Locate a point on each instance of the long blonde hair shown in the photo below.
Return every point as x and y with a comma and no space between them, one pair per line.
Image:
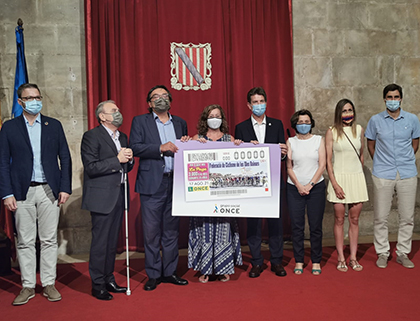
338,120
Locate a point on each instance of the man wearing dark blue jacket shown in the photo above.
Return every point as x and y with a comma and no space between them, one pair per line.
152,139
35,175
262,129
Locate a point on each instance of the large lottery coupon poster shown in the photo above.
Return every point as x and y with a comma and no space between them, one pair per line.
222,179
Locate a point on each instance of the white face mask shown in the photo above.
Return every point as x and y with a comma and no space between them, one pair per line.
214,123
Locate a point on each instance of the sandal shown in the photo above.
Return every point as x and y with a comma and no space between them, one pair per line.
224,278
341,266
297,270
355,265
316,271
203,278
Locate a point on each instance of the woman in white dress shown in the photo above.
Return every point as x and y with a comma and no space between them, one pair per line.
347,185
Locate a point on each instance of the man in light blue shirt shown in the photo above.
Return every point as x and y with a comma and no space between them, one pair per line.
393,139
153,139
35,176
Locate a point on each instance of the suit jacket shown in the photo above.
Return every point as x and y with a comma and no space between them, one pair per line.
274,132
102,170
145,143
16,157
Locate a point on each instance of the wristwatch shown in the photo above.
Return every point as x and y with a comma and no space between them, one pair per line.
312,183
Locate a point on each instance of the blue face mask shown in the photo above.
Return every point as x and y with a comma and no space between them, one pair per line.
258,110
33,107
392,105
303,128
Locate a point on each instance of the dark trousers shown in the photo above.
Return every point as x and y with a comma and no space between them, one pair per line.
314,203
275,241
105,230
160,228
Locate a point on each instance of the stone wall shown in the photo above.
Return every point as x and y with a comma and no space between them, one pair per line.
341,49
55,53
353,49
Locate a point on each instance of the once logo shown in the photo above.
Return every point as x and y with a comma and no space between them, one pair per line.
228,210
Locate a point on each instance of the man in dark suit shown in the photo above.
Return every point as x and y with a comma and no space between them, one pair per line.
152,139
35,179
105,158
262,129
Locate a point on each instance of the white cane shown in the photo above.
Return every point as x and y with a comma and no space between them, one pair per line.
128,292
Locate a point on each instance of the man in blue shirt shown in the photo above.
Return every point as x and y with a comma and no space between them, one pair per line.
152,139
35,176
393,139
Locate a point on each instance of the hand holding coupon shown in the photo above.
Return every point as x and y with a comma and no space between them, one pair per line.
224,179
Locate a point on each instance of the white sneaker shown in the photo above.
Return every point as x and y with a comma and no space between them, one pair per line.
405,261
382,261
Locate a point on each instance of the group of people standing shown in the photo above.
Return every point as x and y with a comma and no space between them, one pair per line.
342,155
35,170
392,139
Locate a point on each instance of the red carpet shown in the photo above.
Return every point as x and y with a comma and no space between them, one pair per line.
373,294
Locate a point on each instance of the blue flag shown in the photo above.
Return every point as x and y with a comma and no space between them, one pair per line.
21,75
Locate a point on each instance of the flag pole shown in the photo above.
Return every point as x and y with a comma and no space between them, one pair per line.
21,74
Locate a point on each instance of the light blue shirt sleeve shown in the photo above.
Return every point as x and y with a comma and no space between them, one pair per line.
370,132
416,127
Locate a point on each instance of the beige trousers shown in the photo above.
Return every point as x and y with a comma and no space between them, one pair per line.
383,191
39,209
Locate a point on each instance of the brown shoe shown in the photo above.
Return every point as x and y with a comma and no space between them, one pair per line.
278,269
24,296
51,293
255,271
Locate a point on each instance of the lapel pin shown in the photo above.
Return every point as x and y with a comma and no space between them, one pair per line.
269,124
46,123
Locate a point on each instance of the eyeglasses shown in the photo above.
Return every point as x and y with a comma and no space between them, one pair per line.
156,96
111,113
38,98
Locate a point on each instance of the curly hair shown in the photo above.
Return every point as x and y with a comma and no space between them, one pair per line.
202,126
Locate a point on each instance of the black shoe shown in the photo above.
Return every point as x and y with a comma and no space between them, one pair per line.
102,295
255,271
151,284
278,269
174,279
114,287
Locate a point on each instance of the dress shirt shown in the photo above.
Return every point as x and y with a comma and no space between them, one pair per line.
116,139
166,134
34,132
393,148
259,129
